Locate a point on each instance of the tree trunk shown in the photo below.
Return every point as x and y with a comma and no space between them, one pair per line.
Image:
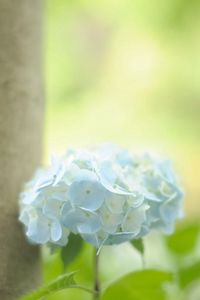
21,121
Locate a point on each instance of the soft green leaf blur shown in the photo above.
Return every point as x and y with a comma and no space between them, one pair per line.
141,285
62,282
71,250
139,245
126,71
184,240
189,274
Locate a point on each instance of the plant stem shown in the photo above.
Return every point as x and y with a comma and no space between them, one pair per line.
83,288
97,287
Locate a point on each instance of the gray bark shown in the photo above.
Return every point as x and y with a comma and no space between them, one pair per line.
21,122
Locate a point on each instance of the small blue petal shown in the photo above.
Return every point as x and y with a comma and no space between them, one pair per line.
115,203
79,220
134,219
56,231
110,221
91,224
87,194
52,208
64,238
38,230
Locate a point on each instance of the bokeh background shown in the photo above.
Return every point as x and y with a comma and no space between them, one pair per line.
125,71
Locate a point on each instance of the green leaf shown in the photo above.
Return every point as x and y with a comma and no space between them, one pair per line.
189,274
71,250
140,285
138,245
184,240
60,283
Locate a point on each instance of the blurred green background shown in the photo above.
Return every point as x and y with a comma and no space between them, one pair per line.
125,71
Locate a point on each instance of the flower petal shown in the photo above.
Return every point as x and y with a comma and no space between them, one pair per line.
56,231
86,194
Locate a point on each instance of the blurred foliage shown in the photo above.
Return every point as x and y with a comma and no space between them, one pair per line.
141,285
189,274
128,72
139,245
184,240
178,278
64,281
71,250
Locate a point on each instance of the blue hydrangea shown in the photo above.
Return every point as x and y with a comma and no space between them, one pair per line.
106,195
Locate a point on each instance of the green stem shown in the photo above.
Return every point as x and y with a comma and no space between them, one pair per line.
97,287
84,289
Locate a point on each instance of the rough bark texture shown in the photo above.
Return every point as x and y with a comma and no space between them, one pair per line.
21,116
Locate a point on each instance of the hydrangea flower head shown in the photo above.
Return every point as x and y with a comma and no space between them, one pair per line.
106,195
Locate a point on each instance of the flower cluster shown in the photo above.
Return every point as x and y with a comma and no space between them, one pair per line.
106,195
